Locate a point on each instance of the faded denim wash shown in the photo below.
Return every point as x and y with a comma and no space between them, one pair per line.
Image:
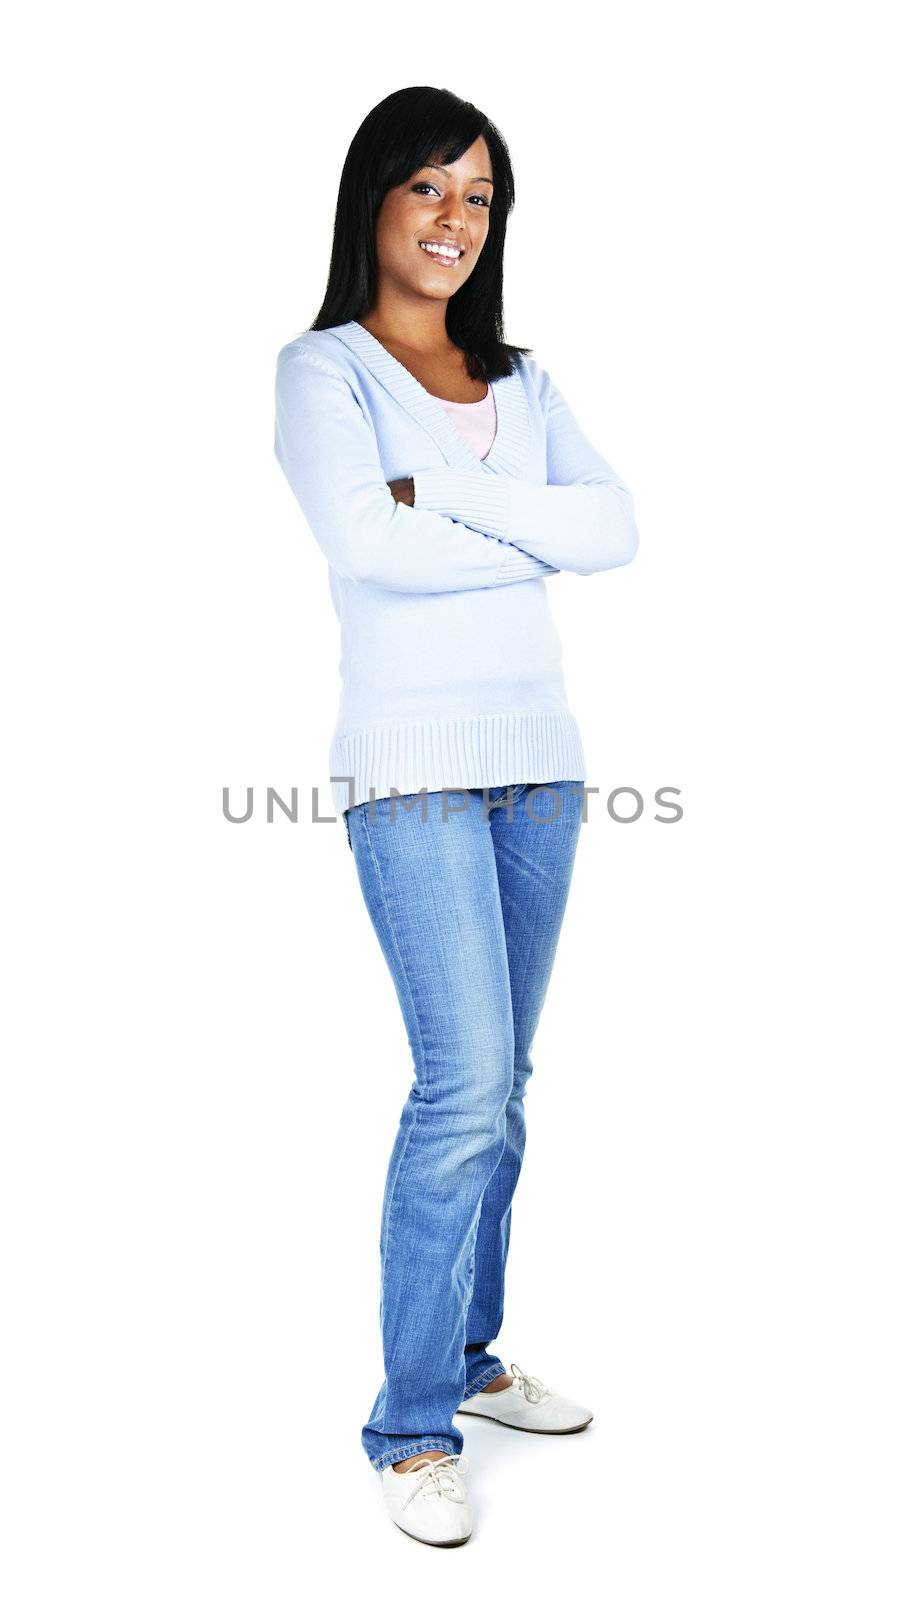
468,912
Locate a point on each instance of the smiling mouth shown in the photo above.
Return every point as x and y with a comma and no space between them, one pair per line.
445,254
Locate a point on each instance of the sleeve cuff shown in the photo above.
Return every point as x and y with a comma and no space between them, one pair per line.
518,564
479,499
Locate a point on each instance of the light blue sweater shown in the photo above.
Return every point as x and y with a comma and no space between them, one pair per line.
450,661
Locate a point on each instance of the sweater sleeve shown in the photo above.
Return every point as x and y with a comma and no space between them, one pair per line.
581,520
329,455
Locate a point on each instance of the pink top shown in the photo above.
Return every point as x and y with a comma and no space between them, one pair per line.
474,419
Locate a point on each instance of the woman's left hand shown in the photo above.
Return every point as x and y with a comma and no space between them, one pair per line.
403,491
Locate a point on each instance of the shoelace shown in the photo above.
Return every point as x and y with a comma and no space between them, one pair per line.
531,1388
439,1477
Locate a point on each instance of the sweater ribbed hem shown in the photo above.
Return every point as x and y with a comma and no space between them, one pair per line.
463,753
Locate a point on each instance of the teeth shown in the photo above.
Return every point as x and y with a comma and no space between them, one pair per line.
442,250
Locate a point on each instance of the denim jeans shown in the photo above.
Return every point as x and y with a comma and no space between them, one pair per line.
468,913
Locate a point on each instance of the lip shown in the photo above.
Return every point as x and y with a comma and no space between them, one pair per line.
453,243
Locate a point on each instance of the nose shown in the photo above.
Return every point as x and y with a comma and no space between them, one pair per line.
452,219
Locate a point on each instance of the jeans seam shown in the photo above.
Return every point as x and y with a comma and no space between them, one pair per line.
402,1451
485,1377
413,1121
472,1259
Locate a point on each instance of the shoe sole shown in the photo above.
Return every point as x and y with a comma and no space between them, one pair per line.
577,1428
437,1544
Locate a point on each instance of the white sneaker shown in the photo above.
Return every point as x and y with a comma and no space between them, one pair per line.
528,1404
430,1501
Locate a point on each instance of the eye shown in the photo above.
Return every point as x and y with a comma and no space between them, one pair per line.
417,187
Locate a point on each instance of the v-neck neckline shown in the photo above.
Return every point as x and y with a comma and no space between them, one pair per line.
512,434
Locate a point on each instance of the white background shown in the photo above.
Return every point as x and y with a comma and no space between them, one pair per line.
206,1059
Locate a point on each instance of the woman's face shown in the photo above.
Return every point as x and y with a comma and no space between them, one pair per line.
438,205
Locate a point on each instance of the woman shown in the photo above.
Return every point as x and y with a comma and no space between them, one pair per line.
445,478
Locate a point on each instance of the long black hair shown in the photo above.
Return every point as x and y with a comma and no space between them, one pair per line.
404,132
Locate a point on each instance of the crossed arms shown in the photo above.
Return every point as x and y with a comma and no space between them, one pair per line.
446,528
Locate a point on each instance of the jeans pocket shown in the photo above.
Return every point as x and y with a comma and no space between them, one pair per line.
346,826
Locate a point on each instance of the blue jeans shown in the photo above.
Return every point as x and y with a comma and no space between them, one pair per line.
468,913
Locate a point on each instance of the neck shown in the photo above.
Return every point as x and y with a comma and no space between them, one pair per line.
408,321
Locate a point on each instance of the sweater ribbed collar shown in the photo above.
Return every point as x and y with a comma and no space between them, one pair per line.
510,445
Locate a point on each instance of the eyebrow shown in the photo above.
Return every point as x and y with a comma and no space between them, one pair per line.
435,168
